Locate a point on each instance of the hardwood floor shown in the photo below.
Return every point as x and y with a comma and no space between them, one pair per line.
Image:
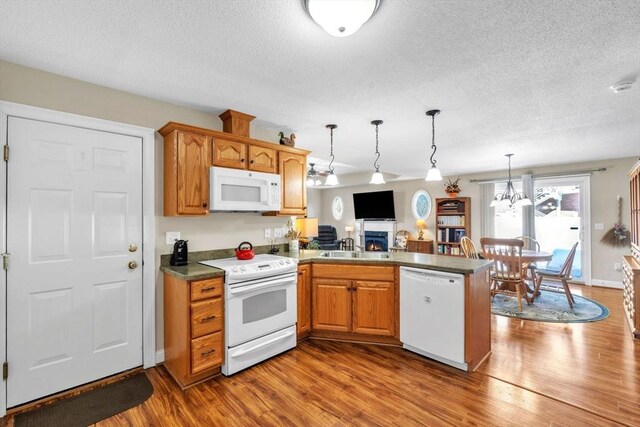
539,374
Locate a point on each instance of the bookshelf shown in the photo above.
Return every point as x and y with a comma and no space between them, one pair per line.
453,221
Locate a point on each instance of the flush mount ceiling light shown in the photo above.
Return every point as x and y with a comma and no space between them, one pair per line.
341,18
332,179
377,177
510,196
434,173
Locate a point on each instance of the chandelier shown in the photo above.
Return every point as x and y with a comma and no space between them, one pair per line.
341,18
510,197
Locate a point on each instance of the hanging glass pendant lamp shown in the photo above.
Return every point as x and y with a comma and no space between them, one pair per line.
377,177
332,179
434,173
510,196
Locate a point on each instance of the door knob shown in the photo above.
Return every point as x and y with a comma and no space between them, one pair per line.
133,265
133,247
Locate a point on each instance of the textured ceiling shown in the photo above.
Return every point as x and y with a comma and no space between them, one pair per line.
511,76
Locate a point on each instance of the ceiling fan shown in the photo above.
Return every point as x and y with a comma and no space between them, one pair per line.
314,176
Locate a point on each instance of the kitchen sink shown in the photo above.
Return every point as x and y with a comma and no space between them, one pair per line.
354,254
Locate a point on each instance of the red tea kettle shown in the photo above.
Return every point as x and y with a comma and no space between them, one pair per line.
242,253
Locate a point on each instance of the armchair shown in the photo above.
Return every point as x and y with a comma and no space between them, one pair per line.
327,238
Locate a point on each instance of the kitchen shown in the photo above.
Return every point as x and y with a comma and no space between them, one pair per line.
31,86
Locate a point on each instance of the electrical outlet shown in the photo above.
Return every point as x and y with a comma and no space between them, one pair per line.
267,233
278,232
617,266
598,226
172,236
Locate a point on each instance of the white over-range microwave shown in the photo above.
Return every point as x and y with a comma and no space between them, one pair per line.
243,190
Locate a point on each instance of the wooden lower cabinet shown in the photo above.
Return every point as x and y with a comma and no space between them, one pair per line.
193,328
332,305
304,301
373,308
367,307
631,293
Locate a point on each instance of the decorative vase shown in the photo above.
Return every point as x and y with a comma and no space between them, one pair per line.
294,246
453,195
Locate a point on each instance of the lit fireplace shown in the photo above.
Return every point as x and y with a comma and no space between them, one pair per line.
376,241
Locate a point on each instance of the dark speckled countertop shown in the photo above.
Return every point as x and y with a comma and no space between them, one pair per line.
451,264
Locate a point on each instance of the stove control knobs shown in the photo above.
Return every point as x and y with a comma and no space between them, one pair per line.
242,268
288,261
281,262
234,269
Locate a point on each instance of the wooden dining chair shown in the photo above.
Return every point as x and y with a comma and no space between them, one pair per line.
468,248
532,244
563,275
507,272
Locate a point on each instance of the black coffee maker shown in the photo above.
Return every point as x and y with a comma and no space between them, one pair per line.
180,253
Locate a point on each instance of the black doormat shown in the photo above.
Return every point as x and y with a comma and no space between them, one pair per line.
92,406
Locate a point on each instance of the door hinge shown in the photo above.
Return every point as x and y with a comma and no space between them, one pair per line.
5,260
6,152
5,370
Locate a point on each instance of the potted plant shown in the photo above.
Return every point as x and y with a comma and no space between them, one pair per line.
452,188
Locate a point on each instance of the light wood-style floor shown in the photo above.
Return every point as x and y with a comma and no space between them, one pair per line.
539,374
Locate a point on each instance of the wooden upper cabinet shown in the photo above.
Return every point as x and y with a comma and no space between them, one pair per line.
189,151
229,154
374,308
262,159
293,171
186,173
331,305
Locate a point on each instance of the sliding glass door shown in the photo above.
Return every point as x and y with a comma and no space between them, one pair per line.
562,219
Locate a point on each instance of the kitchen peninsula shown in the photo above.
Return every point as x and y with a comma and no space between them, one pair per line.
356,297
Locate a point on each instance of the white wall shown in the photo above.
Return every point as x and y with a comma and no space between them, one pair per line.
605,186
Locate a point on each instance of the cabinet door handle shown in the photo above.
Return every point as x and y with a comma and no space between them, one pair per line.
252,162
209,289
207,319
204,205
242,160
206,353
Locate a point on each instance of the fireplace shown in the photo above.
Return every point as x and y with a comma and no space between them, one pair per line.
376,241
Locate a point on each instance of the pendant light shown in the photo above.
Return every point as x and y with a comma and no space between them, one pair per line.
332,179
341,18
510,196
377,177
434,173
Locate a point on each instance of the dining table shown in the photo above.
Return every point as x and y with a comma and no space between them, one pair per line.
529,257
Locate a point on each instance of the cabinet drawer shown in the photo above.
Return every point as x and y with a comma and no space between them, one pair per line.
208,288
206,352
206,317
355,272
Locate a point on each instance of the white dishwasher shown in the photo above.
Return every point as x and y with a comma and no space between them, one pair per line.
432,314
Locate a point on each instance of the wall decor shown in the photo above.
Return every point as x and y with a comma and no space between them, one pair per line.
337,208
421,205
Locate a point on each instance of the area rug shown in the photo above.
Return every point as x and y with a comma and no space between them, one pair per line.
550,307
92,406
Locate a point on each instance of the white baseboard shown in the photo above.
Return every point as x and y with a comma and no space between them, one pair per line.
606,283
159,356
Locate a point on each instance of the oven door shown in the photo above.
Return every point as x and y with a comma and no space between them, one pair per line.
259,307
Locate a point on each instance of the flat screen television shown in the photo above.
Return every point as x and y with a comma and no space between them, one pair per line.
376,205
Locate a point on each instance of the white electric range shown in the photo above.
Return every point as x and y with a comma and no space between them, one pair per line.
260,308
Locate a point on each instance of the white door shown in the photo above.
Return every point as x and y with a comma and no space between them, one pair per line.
74,305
